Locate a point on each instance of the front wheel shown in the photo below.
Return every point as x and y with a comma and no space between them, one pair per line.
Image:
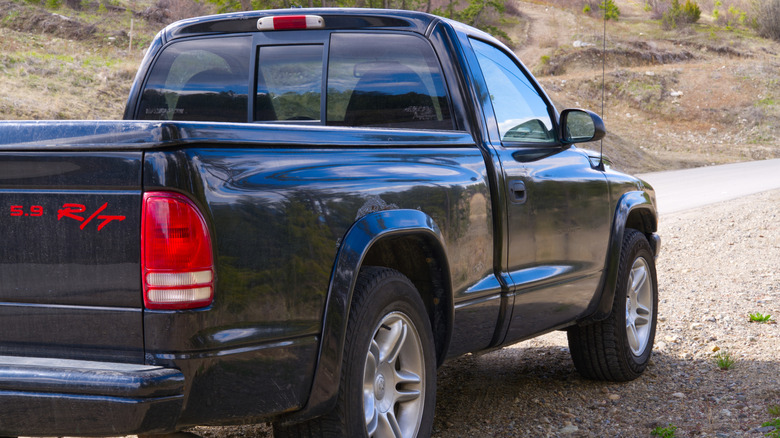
619,348
388,377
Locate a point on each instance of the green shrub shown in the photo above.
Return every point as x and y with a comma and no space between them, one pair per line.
724,361
677,14
760,317
733,17
664,432
690,12
773,433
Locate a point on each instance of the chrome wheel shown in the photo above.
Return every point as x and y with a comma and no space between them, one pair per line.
394,379
639,307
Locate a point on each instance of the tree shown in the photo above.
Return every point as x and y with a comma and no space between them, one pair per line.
476,14
611,11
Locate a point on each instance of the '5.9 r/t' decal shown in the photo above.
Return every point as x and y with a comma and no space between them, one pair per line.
69,211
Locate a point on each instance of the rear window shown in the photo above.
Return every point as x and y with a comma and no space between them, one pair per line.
200,80
382,80
388,80
289,82
362,79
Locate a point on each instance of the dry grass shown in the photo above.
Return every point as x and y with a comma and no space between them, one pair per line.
729,79
54,78
68,63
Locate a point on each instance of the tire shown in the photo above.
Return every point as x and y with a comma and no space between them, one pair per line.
619,348
388,376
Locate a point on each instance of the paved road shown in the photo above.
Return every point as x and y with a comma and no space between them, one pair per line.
679,190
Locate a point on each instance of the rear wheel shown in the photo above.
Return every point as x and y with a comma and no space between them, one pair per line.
619,347
388,378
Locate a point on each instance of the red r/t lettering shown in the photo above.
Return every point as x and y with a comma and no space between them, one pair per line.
107,219
72,211
69,210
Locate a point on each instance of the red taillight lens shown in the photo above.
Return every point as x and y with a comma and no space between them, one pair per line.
176,256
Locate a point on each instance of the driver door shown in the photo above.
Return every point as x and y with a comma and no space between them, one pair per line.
557,220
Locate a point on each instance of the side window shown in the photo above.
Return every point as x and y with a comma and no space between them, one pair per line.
200,80
289,83
521,113
385,80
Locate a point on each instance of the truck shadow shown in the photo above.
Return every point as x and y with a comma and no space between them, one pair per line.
536,391
527,390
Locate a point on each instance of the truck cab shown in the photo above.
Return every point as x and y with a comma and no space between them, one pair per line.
302,215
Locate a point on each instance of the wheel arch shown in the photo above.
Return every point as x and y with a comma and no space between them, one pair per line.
421,258
635,210
408,241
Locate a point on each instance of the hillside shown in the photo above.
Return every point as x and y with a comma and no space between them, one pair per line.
697,95
64,63
693,96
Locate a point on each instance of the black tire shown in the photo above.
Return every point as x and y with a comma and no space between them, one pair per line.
386,311
619,348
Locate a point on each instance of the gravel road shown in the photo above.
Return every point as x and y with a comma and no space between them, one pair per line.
718,264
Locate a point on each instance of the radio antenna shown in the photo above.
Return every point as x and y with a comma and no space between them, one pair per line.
603,80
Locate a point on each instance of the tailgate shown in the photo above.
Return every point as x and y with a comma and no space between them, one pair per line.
69,263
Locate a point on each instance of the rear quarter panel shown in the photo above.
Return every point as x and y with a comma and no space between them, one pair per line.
278,213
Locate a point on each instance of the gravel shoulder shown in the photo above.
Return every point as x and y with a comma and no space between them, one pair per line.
718,264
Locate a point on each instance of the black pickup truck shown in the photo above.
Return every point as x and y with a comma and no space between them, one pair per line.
302,215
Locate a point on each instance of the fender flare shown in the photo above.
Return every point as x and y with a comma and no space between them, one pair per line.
357,242
634,201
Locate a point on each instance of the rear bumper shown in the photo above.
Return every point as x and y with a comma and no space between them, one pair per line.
50,397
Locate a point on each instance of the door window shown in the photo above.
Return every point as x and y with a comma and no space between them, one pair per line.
521,112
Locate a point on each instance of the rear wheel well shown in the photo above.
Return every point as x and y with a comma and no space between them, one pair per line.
421,259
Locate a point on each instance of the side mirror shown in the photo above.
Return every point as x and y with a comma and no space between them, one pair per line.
581,126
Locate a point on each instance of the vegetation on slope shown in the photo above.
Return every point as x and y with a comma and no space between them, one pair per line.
703,91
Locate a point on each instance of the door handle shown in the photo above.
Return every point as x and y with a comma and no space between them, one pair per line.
518,192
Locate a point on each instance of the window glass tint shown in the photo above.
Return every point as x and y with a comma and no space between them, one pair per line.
202,80
521,113
385,80
289,83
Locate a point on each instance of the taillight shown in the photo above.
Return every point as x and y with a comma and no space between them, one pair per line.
177,261
291,22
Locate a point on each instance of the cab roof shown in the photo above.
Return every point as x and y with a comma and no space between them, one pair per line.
335,18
